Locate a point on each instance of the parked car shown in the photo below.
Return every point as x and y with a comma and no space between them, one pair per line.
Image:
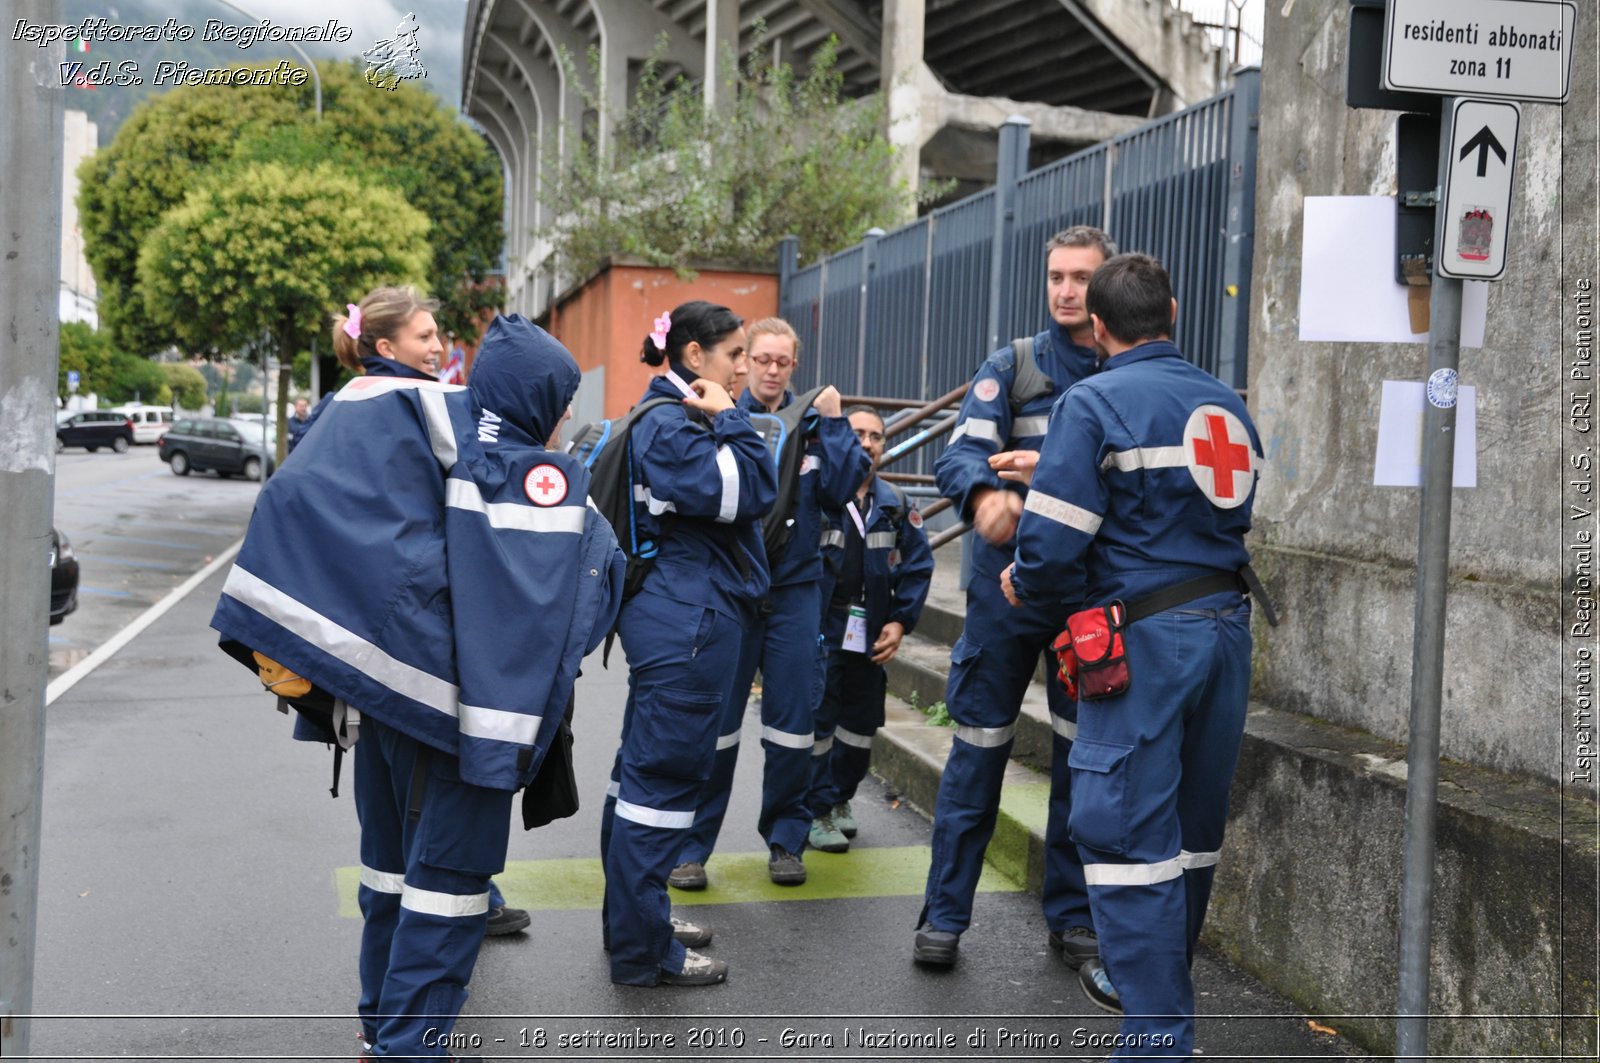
93,429
150,423
229,447
63,577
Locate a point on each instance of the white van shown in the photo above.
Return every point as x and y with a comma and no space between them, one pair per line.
150,423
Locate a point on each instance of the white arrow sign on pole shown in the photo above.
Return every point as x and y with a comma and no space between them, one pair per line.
1499,49
1476,203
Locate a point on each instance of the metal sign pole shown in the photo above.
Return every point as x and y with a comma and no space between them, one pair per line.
1427,658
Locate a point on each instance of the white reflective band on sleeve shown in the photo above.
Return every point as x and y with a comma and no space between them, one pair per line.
341,643
785,739
810,463
832,537
499,724
448,905
1191,861
728,741
1145,458
1062,512
613,788
1024,427
1065,728
986,737
1132,874
655,505
654,817
820,747
383,881
728,465
880,541
464,494
441,433
977,428
850,738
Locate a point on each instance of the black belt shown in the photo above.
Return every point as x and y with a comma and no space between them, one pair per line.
1245,581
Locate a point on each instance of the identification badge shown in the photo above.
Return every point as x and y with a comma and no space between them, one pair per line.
855,630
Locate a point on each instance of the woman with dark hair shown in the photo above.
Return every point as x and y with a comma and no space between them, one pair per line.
702,480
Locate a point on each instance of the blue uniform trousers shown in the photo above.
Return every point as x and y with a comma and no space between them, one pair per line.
681,659
850,714
424,890
1151,771
784,646
990,668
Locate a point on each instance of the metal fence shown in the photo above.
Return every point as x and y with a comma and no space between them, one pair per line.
912,313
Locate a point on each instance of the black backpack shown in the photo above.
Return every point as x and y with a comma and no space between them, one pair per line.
606,450
785,438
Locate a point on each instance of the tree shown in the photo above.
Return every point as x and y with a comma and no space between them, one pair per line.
791,155
405,139
264,250
188,387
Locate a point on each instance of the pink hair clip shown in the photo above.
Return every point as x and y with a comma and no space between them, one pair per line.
352,327
662,327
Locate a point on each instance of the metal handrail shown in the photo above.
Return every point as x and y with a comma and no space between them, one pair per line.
920,412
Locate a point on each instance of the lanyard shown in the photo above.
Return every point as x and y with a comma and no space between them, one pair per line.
677,382
855,515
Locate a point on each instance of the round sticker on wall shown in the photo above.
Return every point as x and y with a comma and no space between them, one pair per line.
546,485
1443,387
1217,451
986,389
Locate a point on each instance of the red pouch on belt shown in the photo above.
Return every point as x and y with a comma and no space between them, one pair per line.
1096,640
1066,663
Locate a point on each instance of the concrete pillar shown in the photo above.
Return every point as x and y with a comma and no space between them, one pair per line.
900,80
628,30
722,39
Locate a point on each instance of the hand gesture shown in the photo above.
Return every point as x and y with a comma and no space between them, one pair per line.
996,514
1007,588
888,643
1017,465
709,397
828,402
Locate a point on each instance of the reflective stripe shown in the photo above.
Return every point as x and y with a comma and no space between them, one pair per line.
1062,512
1065,728
500,725
728,465
810,463
1147,874
613,788
820,747
832,537
441,433
986,737
850,738
654,817
977,428
464,494
1145,458
449,905
785,739
728,741
1023,427
655,505
341,643
382,881
880,541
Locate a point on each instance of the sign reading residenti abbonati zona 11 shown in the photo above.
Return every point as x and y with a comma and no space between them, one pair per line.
1495,49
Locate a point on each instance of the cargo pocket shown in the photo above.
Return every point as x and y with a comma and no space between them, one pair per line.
460,827
675,732
964,672
1099,819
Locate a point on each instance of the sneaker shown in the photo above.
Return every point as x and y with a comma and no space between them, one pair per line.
785,868
505,920
697,970
1097,987
694,935
1075,944
844,819
826,836
935,948
689,876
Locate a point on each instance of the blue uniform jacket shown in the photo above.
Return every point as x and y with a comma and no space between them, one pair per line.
430,563
717,484
896,564
1146,479
987,426
374,365
833,468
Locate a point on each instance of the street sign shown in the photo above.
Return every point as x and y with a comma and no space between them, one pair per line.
72,380
1476,200
1496,49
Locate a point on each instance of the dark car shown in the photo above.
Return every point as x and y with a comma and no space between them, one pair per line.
93,429
63,577
229,447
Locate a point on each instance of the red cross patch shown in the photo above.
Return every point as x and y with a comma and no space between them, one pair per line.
546,485
1217,451
986,389
914,517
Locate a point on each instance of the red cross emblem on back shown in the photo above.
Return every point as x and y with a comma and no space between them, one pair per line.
545,485
1217,451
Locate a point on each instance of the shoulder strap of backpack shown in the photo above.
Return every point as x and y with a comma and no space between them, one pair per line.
1028,381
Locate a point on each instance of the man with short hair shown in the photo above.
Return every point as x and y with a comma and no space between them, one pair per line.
1139,506
994,659
299,421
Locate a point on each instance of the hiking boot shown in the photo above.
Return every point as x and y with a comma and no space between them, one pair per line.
1075,944
697,970
785,868
844,819
694,935
1097,987
935,948
504,920
826,836
689,876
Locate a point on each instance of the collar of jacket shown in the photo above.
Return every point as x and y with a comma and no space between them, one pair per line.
1142,353
377,365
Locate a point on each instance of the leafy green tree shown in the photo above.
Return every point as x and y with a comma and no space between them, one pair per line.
187,385
404,139
90,353
789,155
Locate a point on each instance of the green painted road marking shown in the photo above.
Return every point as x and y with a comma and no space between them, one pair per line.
736,878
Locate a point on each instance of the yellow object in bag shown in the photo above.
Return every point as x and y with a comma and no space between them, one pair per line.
278,679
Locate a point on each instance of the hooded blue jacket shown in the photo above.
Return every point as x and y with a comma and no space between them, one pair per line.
431,564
